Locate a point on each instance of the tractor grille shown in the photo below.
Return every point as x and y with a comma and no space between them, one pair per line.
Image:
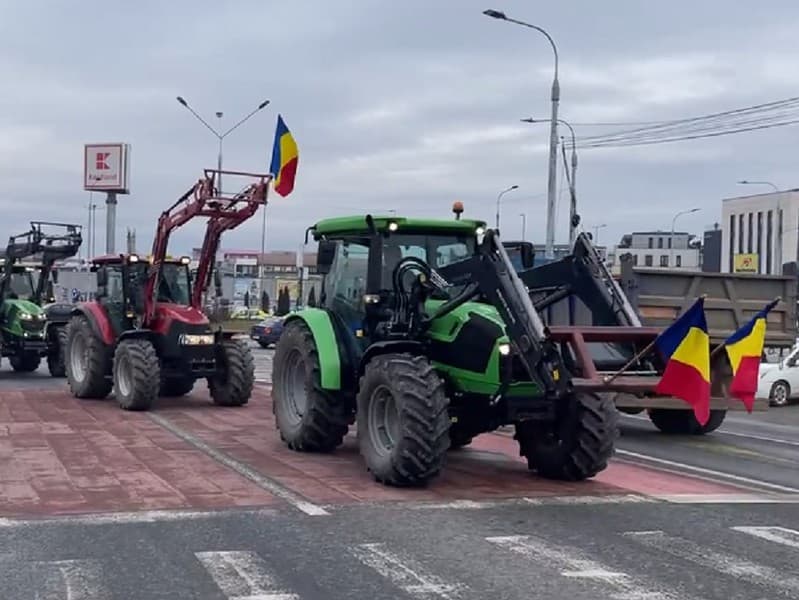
32,326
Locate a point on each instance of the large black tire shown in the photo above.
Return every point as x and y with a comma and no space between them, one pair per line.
172,387
25,363
87,361
137,374
403,420
578,446
56,361
309,418
683,422
235,378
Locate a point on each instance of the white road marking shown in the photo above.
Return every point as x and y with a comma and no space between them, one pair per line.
779,535
464,504
262,481
121,518
766,498
728,564
242,576
718,475
609,499
573,564
69,580
404,573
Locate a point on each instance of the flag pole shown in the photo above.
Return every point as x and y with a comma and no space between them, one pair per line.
723,344
609,378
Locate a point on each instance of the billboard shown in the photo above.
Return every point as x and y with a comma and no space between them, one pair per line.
746,263
105,167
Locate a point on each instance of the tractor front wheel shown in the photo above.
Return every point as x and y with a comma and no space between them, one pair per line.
235,378
56,361
403,419
309,418
25,363
137,374
578,445
86,359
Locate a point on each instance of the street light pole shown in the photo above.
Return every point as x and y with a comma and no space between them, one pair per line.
673,222
553,132
573,218
524,226
499,197
596,232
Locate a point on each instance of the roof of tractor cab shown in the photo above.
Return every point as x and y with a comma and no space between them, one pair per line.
355,225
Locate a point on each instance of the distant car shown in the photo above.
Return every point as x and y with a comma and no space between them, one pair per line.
268,331
779,382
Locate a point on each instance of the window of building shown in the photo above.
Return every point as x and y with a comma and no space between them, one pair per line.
635,260
660,242
732,240
678,260
664,260
759,242
670,243
651,243
648,260
740,234
769,241
749,245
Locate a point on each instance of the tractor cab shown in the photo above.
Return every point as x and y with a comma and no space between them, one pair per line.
19,284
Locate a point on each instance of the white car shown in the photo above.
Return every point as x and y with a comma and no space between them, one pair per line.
779,382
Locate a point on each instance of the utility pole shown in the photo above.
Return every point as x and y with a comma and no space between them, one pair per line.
524,226
553,132
499,197
673,221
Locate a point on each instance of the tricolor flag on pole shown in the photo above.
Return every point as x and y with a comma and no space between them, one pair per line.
744,349
685,345
284,159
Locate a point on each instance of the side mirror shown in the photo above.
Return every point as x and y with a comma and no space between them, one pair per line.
791,362
527,255
325,255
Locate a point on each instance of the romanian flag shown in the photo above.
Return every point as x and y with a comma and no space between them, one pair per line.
744,349
686,347
284,159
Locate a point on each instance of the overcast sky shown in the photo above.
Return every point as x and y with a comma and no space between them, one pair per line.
394,105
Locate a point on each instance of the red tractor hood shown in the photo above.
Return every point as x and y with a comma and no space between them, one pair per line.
166,313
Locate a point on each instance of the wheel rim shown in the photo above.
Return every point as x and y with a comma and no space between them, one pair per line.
383,420
123,377
780,395
78,357
294,387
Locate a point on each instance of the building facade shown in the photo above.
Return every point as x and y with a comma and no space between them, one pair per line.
760,233
659,249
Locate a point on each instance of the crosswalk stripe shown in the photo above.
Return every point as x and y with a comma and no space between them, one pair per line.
69,580
406,574
573,564
723,562
779,535
242,576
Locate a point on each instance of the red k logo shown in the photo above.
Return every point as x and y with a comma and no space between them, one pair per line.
100,161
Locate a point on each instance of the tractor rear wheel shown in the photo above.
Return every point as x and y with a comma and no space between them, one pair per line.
56,358
403,419
235,378
137,374
580,443
684,422
87,360
25,363
172,387
309,418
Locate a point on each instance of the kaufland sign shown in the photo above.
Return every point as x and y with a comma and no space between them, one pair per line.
105,167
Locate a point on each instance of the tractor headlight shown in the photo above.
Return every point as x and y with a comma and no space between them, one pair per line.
26,316
200,339
504,349
479,231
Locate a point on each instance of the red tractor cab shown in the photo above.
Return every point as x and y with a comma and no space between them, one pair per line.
145,334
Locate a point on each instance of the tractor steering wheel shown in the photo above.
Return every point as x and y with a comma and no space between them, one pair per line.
412,263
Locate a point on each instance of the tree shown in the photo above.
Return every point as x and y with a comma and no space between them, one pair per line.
284,302
247,298
312,297
265,302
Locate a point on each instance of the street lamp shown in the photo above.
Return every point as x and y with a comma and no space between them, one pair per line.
596,232
553,132
499,197
745,182
673,221
573,219
221,136
524,225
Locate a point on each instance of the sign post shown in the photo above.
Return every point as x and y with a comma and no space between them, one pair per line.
105,169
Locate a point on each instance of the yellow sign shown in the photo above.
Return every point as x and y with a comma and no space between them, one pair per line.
745,263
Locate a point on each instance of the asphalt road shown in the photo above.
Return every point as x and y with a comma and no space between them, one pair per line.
577,549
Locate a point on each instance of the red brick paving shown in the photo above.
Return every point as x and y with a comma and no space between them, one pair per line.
61,455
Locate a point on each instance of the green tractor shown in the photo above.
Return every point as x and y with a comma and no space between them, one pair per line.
31,326
426,336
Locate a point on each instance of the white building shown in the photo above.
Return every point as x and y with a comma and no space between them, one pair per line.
680,250
759,233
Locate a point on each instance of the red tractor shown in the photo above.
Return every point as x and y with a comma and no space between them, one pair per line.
145,334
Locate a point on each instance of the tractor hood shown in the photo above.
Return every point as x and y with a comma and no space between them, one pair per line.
20,306
167,312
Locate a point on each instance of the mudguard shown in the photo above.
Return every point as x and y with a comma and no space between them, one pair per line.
318,321
98,320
